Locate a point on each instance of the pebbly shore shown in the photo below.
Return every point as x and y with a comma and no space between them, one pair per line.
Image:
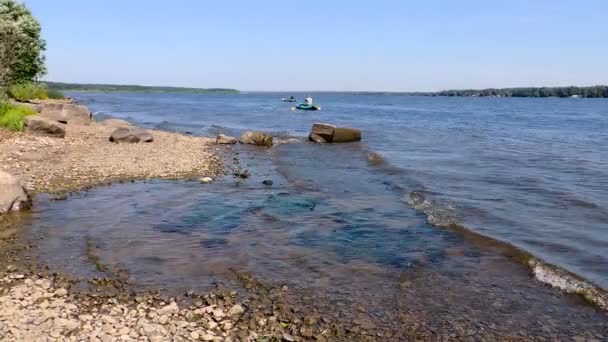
86,158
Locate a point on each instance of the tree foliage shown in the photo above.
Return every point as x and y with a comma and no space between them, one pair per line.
21,45
593,92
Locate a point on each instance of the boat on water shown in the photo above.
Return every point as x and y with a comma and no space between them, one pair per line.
289,99
304,106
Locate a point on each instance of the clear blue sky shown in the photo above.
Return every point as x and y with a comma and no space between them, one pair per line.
327,45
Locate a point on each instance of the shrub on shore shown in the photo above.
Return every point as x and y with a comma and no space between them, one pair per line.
33,91
13,117
27,91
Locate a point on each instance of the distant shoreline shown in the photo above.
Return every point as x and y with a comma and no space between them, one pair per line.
599,91
109,88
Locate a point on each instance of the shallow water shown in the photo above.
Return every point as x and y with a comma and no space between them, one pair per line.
530,172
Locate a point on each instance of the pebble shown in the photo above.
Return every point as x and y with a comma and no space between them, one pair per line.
163,319
47,314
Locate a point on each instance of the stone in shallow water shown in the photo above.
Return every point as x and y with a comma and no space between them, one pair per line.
256,138
225,139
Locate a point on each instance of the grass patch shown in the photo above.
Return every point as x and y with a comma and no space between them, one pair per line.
33,91
26,92
13,117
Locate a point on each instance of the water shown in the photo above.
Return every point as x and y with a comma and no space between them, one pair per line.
529,172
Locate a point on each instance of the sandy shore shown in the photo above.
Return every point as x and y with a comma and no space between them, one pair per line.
86,157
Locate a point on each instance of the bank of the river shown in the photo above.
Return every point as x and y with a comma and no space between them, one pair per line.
86,157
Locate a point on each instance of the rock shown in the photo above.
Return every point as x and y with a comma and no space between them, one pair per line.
322,133
217,313
168,309
375,158
241,173
206,180
207,337
13,196
67,113
194,335
325,133
288,337
236,311
31,156
163,319
256,138
39,125
131,135
225,139
343,134
61,292
115,123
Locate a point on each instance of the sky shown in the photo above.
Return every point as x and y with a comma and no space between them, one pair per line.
353,45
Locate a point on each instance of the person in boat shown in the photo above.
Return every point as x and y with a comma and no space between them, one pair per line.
308,100
292,98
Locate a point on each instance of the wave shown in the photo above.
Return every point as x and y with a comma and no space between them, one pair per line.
569,283
541,271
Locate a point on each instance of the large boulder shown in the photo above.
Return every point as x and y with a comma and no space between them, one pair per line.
325,133
38,125
67,113
322,133
346,134
225,139
131,135
115,123
13,196
256,138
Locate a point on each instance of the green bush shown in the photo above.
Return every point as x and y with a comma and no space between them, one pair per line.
26,92
12,117
54,94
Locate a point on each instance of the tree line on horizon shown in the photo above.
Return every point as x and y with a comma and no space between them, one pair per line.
599,91
133,88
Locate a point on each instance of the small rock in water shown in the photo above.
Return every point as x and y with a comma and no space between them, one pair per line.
267,182
375,158
242,174
224,139
206,180
236,310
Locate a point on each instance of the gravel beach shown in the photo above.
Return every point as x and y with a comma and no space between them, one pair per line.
86,157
